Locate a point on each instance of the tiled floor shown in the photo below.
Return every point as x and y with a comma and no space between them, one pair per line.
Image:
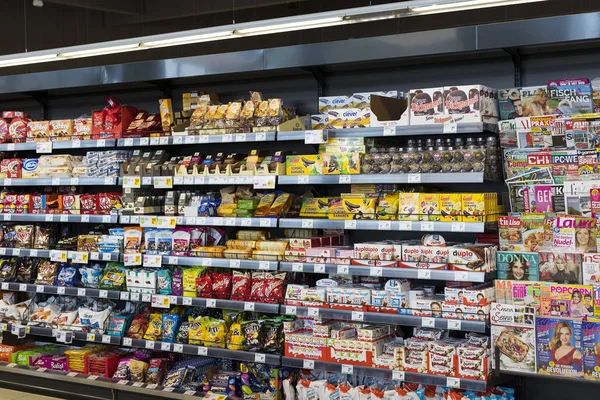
6,394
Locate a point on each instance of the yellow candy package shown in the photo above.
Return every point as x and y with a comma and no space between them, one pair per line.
154,330
195,330
214,333
235,338
189,281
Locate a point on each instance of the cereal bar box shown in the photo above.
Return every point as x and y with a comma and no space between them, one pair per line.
517,265
513,336
559,349
591,349
567,232
560,266
558,300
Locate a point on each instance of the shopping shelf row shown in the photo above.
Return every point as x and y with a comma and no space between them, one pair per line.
155,261
180,138
166,301
157,221
257,181
239,355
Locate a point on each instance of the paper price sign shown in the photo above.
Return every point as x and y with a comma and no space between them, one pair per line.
165,346
127,342
248,306
178,348
43,147
398,375
290,310
72,374
79,257
42,369
266,222
350,224
189,392
103,294
307,223
202,351
376,271
186,301
264,182
163,182
458,227
260,137
259,358
146,298
39,289
315,136
461,276
60,290
152,260
414,178
81,292
264,265
450,127
297,267
453,382
385,225
150,344
74,181
404,226
427,226
85,218
132,182
148,221
106,257
312,312
454,324
308,364
389,131
240,137
347,369
122,382
227,138
424,274
211,303
64,218
166,222
161,301
151,386
22,287
58,255
4,286
133,259
427,322
138,384
64,336
358,316
343,269
319,268
106,339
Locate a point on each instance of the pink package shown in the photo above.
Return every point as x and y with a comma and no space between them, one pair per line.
58,362
214,236
320,255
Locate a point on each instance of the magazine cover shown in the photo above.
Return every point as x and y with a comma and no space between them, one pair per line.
517,265
568,232
513,336
559,300
570,99
541,198
521,232
591,350
559,347
560,266
535,101
590,269
509,102
524,293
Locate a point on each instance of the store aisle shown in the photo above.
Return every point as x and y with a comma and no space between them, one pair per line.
6,394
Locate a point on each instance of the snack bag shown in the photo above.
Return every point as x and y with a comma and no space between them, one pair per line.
240,286
137,370
154,330
90,276
195,330
254,336
26,269
221,284
138,326
47,271
170,324
274,287
257,291
113,278
117,325
68,275
214,332
163,277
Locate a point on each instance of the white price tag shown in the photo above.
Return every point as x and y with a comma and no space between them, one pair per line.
106,256
427,226
132,181
74,181
85,218
246,221
163,140
206,262
60,290
81,292
133,259
376,271
297,267
64,336
4,327
127,341
312,312
303,180
343,269
290,310
248,306
307,223
101,143
55,181
461,276
450,127
453,382
384,225
173,300
122,382
4,286
138,384
454,324
22,287
146,298
159,301
267,222
94,255
414,178
150,344
173,260
128,142
152,260
230,221
315,136
16,252
165,346
319,268
264,265
227,138
144,141
240,137
199,180
259,358
458,227
2,251
135,219
42,369
92,377
389,131
190,392
423,273
103,294
151,386
347,369
350,224
163,182
358,316
48,217
43,147
404,225
190,140
211,303
39,289
58,255
64,218
260,136
106,339
235,264
186,301
308,364
76,144
168,389
264,181
10,146
178,348
398,375
344,179
154,141
79,257
202,351
134,296
72,374
188,180
7,217
90,337
427,322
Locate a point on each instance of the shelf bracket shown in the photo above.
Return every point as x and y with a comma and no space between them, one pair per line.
42,99
515,55
319,76
164,86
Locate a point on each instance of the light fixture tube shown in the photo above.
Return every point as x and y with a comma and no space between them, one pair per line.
291,26
100,51
29,60
177,41
466,5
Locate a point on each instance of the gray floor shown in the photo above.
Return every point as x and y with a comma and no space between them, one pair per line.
6,394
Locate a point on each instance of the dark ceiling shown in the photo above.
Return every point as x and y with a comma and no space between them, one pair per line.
61,23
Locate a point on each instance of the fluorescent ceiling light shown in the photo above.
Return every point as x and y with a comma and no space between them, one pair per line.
292,26
176,41
99,51
309,21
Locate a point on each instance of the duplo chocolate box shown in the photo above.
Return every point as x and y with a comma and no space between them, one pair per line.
470,103
426,106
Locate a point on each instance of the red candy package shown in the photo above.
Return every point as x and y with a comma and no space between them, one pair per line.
240,286
257,292
204,286
221,284
107,202
274,287
17,130
3,131
88,203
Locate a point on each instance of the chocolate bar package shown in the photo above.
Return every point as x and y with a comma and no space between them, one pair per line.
509,103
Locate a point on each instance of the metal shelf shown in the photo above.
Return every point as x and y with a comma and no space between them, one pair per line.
221,263
58,182
386,272
210,221
199,180
466,177
94,219
385,318
383,225
411,377
60,144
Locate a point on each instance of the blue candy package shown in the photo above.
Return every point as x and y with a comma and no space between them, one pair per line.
117,324
90,276
68,275
170,326
164,281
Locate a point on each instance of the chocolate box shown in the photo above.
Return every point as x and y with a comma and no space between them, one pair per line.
470,103
426,106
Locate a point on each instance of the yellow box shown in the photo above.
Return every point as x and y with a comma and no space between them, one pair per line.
429,207
387,207
166,113
473,207
310,164
336,164
316,207
451,207
349,118
352,208
408,207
